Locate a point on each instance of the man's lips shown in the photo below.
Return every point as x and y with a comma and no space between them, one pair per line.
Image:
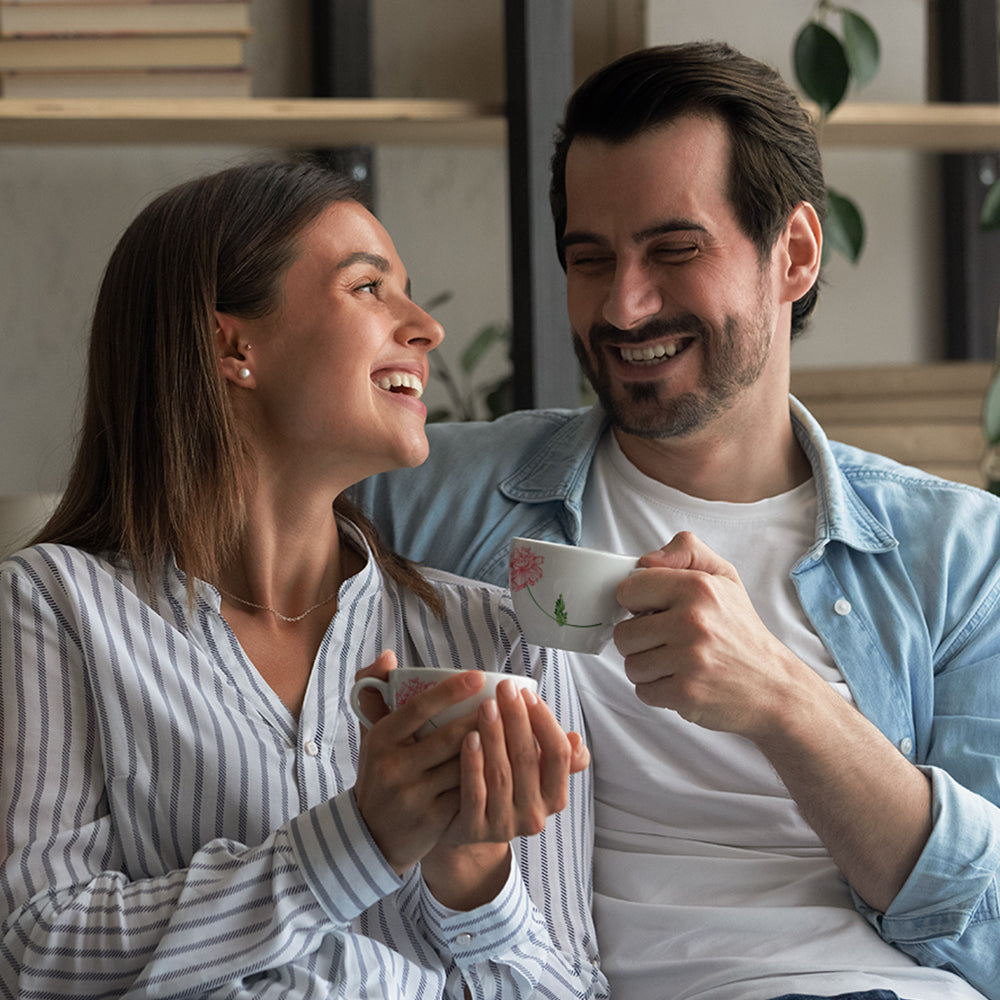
652,353
655,343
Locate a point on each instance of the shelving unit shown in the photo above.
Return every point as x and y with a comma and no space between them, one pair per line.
303,123
306,122
332,122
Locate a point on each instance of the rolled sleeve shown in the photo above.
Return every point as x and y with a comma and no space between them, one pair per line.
947,915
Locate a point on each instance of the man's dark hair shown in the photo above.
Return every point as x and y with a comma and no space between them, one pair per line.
775,162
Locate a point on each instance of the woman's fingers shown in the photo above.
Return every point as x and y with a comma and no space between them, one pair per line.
515,769
555,755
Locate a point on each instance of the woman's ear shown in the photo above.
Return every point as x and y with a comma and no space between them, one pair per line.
234,352
803,239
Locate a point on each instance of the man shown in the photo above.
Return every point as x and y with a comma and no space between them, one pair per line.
797,737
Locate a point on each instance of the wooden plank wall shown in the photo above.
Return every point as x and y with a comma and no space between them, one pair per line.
924,415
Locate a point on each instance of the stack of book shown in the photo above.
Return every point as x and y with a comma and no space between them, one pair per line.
123,48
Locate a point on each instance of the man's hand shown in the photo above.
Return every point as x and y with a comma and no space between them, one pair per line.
696,644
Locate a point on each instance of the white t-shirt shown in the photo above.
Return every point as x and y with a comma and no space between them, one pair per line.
708,882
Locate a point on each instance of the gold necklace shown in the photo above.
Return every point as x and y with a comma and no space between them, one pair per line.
274,611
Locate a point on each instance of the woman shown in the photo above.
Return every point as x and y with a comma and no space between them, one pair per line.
188,807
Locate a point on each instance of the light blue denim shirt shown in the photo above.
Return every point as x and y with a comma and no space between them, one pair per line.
902,583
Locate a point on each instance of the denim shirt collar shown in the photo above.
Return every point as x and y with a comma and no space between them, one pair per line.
557,472
841,515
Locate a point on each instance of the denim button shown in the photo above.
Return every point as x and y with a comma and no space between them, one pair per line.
842,606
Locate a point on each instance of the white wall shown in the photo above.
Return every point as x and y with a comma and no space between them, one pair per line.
61,209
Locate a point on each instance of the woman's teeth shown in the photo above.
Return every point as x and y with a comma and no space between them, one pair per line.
404,381
638,354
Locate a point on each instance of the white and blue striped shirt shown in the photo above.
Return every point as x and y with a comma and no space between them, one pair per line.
170,830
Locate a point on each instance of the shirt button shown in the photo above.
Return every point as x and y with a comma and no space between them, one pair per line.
842,606
463,938
906,745
311,748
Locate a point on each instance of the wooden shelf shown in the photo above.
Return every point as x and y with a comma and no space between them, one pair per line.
932,128
306,122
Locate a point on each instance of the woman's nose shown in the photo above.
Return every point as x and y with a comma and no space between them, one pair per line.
420,325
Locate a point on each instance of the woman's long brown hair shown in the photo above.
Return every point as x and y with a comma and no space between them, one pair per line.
160,465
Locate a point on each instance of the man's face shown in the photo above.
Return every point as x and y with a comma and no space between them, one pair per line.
673,313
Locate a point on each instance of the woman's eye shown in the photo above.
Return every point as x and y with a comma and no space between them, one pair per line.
371,287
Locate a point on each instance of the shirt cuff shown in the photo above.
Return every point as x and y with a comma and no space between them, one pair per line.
485,933
956,873
339,860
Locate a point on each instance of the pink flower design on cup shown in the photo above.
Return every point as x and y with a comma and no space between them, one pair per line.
410,690
525,567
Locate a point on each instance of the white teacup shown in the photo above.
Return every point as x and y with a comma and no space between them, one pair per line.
564,595
405,682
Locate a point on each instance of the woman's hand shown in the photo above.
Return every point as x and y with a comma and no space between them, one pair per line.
515,769
408,790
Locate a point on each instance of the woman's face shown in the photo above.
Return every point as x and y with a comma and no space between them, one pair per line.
338,369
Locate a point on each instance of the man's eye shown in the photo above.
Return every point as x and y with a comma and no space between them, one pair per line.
676,253
588,261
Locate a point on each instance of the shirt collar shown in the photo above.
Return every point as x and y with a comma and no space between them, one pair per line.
558,470
841,513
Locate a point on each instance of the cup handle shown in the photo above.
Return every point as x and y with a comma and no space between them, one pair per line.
356,697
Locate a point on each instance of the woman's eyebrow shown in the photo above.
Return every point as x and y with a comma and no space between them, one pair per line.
362,257
376,260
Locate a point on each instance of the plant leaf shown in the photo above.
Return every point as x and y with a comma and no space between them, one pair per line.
820,65
483,340
437,300
500,399
844,228
861,46
989,214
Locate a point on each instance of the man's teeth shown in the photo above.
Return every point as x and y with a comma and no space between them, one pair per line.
649,353
401,380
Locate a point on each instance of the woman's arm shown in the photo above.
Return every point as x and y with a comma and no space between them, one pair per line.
535,935
85,895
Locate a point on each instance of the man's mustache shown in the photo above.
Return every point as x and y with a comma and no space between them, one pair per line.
655,329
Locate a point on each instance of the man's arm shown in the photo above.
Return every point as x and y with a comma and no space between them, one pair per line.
698,647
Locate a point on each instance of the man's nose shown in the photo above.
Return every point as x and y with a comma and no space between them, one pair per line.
633,297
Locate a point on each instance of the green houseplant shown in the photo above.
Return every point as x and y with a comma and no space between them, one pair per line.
826,65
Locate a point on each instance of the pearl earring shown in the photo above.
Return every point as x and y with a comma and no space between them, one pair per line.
244,373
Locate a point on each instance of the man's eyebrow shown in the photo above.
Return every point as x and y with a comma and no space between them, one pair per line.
650,232
668,226
580,236
362,257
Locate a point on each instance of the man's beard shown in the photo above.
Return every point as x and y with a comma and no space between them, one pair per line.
731,363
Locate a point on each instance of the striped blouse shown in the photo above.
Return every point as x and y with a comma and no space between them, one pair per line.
169,829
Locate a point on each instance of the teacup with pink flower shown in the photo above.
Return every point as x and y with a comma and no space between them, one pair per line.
564,595
405,683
